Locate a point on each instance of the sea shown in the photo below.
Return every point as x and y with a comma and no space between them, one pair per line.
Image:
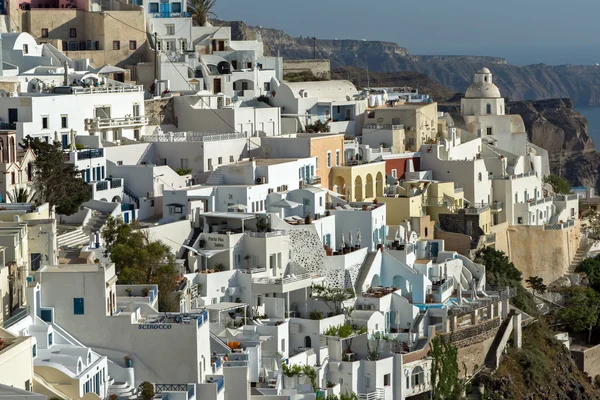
592,113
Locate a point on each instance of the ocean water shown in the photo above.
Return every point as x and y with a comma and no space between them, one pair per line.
592,113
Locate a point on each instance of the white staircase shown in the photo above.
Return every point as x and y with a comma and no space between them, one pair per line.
73,238
216,178
95,223
122,389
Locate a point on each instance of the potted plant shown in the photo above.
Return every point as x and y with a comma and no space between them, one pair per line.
128,362
129,292
145,292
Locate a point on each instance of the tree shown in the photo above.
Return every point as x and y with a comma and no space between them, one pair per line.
445,381
332,297
591,267
559,185
55,181
582,310
499,270
200,10
594,228
536,284
139,260
21,195
147,390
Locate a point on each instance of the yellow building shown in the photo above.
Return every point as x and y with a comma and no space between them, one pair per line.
419,120
359,182
103,37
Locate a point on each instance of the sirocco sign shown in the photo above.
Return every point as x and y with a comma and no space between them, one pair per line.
155,326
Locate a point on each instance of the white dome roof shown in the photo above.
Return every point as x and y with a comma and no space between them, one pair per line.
479,90
484,70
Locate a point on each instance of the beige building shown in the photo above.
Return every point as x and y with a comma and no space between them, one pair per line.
107,37
16,361
413,123
359,182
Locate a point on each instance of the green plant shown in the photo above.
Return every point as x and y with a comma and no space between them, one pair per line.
147,390
318,127
445,381
536,284
582,310
219,267
262,225
316,315
21,195
559,185
183,171
332,297
311,374
293,370
373,353
79,146
200,10
145,292
344,331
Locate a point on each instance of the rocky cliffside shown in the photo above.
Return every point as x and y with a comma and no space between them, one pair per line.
532,82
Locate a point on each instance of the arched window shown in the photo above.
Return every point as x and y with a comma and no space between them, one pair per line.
79,366
480,177
307,341
13,150
488,109
89,358
417,376
485,78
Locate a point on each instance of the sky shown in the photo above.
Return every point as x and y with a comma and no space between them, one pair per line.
523,31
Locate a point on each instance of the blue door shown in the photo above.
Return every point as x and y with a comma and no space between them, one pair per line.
164,9
87,175
434,249
78,306
126,217
65,141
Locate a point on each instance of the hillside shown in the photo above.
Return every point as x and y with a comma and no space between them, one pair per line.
533,82
542,369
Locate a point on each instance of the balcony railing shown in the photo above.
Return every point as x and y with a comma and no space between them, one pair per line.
107,89
558,227
281,281
377,394
475,209
265,234
110,123
315,180
89,154
8,126
102,185
16,318
388,127
252,270
216,365
183,14
192,137
497,206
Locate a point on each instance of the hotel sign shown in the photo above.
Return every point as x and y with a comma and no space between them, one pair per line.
155,326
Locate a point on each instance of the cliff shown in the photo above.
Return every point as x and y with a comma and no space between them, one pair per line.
533,82
542,369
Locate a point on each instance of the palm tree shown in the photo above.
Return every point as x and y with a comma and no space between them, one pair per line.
201,10
21,195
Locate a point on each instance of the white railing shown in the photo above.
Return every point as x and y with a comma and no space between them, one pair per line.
252,270
388,127
265,234
377,394
281,281
516,176
560,226
108,89
109,123
192,137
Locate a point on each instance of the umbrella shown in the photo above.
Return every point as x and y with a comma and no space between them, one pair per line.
358,236
285,204
108,69
350,238
73,146
343,241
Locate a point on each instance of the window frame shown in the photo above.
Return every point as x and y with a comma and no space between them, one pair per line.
45,32
117,44
133,45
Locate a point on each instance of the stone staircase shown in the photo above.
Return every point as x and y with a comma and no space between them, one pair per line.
81,236
364,270
218,345
95,223
216,178
415,325
195,235
582,250
490,359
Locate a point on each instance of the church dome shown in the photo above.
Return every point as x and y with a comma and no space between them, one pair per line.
482,90
484,70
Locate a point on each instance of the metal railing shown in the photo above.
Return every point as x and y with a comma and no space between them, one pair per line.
108,89
89,154
566,197
559,226
516,176
16,318
476,209
252,270
282,281
102,185
216,365
116,183
192,137
497,205
183,14
384,127
265,234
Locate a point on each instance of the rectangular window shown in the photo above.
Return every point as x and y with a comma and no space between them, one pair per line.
337,158
170,29
132,45
317,162
25,49
78,306
44,32
184,163
210,164
394,173
220,159
116,45
136,110
175,7
395,121
154,8
44,122
386,379
267,86
72,33
231,159
489,131
64,121
328,159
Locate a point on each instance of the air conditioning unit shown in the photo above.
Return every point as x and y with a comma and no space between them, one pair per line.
260,180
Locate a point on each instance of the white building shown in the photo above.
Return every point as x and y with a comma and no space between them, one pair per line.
332,102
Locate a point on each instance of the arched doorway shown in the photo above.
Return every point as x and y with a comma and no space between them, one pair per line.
379,184
375,282
339,185
369,187
307,341
116,199
358,189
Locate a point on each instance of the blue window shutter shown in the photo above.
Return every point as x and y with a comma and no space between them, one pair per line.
78,308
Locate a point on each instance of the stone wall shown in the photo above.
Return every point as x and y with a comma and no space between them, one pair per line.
547,254
160,111
454,241
588,360
474,355
319,68
473,334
